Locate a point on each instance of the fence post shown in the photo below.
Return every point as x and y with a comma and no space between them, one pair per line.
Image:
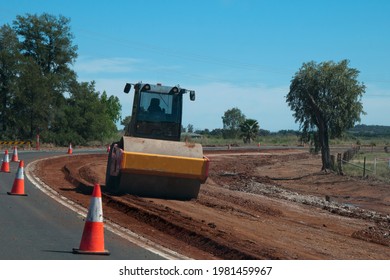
333,162
374,166
364,168
339,163
37,147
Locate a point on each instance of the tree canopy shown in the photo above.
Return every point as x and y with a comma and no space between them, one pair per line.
39,91
232,119
326,98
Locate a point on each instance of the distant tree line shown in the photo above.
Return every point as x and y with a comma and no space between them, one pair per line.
370,130
219,133
235,126
39,91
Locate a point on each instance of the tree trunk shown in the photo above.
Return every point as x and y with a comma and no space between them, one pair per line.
323,134
32,117
324,142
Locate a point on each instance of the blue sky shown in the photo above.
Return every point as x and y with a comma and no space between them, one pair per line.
233,53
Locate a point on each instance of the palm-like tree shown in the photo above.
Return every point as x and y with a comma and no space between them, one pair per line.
249,130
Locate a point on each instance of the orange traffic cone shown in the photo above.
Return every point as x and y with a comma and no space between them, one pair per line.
15,157
92,240
5,163
18,186
70,150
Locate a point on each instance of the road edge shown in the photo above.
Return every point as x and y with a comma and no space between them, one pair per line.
109,225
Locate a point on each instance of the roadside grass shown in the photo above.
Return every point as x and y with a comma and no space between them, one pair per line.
272,140
293,140
377,165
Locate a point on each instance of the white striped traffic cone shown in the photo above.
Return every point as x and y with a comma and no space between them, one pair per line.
92,240
70,150
15,157
5,163
18,186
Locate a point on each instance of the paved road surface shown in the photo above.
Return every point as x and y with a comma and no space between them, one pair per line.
36,227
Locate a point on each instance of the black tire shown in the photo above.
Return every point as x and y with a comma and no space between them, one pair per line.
112,182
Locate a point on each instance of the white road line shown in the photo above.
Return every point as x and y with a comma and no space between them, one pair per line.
113,227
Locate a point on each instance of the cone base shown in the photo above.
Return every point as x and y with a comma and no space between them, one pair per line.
78,251
19,194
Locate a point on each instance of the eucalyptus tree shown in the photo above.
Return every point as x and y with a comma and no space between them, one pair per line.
326,97
88,116
9,62
46,44
39,92
231,120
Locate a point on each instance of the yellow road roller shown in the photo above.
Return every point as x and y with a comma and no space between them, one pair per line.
150,160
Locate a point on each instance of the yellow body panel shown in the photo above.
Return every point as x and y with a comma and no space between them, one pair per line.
164,165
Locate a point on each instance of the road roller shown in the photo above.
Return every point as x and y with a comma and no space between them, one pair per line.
151,159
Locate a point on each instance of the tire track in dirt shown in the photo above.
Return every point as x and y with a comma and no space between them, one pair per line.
228,220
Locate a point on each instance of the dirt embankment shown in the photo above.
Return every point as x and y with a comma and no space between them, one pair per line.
269,205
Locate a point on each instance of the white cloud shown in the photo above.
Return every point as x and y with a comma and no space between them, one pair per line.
265,104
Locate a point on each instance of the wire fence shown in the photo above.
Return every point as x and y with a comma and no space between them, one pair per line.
365,162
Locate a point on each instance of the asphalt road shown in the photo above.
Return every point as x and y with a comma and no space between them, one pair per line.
36,227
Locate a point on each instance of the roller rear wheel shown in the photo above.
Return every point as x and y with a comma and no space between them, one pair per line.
112,181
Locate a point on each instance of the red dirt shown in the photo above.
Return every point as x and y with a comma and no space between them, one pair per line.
269,205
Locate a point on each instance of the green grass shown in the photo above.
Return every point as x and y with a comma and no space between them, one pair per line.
272,140
380,170
293,140
366,141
